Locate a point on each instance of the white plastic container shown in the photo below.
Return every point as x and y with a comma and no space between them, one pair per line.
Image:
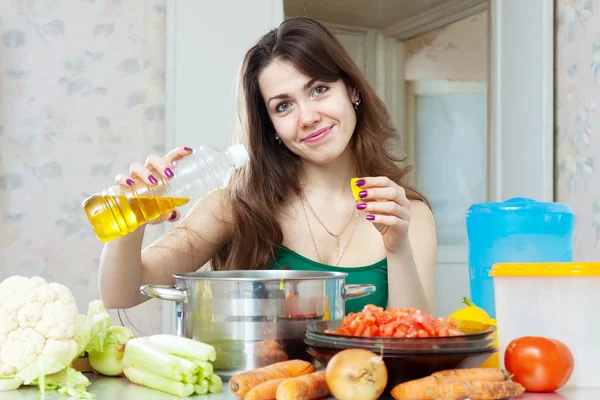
557,301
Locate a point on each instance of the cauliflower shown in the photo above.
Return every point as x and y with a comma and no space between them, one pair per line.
39,322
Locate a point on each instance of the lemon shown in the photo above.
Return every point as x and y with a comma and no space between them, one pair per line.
473,313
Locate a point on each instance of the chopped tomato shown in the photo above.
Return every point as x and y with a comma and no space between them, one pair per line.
396,322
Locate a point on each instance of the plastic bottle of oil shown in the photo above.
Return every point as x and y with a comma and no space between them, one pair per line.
119,210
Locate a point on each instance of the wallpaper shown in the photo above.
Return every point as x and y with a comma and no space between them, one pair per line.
82,89
454,52
577,115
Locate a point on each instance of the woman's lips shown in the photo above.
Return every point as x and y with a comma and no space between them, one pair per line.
318,135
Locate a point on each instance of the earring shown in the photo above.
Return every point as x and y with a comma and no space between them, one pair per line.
356,104
277,138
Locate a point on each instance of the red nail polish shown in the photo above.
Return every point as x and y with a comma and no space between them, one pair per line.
168,172
130,182
361,206
370,217
188,149
363,194
173,215
152,179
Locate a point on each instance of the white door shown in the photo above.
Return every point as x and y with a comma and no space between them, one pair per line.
448,141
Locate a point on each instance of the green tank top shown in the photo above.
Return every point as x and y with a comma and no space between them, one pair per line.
374,274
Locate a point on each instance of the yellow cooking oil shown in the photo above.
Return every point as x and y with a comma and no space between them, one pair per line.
114,216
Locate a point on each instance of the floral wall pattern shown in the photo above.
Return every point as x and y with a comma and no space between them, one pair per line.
577,116
82,96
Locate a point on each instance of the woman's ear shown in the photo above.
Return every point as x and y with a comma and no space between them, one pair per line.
354,95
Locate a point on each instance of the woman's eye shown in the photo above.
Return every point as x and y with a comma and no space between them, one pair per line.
281,107
319,90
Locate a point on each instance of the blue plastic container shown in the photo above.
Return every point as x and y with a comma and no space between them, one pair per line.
517,230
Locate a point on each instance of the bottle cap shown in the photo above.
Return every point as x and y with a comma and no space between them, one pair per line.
238,155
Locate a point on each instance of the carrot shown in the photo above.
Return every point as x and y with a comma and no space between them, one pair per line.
241,383
466,375
471,374
474,390
264,391
306,387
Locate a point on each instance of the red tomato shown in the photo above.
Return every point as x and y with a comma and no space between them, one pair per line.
539,364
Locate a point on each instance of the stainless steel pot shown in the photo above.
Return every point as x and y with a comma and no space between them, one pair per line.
255,318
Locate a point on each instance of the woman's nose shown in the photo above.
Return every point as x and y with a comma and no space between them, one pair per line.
309,115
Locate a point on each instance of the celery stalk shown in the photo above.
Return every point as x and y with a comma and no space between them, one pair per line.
190,366
206,369
215,383
201,387
184,347
145,357
160,383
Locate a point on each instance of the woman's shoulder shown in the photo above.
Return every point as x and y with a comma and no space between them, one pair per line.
420,209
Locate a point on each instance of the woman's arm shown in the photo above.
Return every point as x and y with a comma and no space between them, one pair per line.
124,266
411,269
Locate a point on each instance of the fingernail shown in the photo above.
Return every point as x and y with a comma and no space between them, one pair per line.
188,149
168,172
173,215
363,194
152,179
360,182
361,206
130,182
370,217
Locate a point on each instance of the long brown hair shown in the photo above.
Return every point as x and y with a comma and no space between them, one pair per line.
258,191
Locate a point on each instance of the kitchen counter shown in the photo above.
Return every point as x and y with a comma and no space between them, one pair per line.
106,388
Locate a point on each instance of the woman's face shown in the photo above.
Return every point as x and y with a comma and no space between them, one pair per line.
314,119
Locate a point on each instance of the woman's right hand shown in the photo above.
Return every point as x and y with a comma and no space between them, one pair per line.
155,164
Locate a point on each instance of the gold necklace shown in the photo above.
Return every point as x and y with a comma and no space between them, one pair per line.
315,243
337,237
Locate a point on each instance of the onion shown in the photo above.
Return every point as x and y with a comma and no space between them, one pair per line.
356,374
108,361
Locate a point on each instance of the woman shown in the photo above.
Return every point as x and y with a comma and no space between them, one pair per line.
311,122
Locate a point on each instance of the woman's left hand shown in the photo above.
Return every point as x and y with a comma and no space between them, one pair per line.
386,205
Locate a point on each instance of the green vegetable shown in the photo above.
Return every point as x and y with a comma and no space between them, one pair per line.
184,347
151,381
68,382
215,383
99,323
171,364
201,388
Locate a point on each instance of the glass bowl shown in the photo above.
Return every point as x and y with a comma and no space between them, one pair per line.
403,348
473,331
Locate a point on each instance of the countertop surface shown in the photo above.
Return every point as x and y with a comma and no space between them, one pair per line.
106,388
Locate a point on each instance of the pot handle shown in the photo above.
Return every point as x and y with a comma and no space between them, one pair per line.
357,291
165,292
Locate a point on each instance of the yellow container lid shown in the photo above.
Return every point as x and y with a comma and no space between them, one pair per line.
573,269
